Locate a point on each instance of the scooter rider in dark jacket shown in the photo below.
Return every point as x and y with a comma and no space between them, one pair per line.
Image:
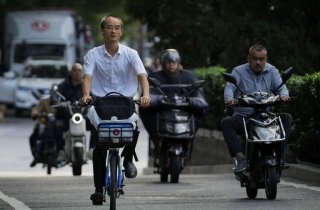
71,89
172,73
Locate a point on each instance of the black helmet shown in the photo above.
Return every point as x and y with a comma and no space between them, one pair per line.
170,55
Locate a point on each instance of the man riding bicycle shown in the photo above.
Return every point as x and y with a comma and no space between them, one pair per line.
112,67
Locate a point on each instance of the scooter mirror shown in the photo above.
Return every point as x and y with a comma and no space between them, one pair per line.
230,78
198,83
36,94
154,82
287,74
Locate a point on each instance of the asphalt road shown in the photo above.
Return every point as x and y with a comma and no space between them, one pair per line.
24,188
194,192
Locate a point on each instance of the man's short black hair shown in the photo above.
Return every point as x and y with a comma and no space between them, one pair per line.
103,21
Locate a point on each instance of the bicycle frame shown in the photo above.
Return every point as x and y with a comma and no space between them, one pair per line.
114,153
113,133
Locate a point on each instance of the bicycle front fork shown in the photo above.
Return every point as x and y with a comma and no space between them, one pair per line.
120,177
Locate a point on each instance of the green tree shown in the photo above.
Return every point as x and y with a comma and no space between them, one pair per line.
210,32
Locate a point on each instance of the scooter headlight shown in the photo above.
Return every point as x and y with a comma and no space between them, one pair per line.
267,133
77,118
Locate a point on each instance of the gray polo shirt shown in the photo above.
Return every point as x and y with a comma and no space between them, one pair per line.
248,81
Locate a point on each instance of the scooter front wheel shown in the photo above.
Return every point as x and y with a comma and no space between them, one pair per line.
271,181
175,168
251,190
50,163
77,164
164,175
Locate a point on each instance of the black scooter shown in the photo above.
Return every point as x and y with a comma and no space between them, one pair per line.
175,129
264,140
46,148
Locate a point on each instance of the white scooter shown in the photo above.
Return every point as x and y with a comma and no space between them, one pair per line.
75,139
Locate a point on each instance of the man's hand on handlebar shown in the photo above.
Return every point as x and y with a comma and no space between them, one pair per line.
84,101
144,101
231,102
284,98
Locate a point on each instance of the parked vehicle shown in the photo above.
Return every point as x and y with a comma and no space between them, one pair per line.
59,33
175,129
264,141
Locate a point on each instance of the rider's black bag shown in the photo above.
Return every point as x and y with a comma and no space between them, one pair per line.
114,104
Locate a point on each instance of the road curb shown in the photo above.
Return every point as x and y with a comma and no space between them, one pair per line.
207,138
310,174
303,172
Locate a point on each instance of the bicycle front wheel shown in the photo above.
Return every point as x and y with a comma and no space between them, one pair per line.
113,182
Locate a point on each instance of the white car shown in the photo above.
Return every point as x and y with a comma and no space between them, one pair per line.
38,77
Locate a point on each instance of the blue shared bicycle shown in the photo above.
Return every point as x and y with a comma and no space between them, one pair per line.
115,119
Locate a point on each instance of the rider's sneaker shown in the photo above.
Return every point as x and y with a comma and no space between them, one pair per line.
285,165
33,163
130,169
90,154
61,159
97,198
240,163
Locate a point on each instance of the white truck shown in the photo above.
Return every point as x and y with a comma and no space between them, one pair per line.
43,33
40,33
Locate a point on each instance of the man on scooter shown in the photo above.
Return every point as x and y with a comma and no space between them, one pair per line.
71,89
172,73
256,75
43,106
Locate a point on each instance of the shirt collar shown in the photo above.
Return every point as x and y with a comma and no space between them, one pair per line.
120,50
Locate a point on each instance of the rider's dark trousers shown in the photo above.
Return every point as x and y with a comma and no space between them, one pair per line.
99,161
233,126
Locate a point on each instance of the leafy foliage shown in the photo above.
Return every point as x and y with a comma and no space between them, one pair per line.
213,89
304,109
217,32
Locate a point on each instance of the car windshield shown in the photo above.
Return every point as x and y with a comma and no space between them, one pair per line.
46,71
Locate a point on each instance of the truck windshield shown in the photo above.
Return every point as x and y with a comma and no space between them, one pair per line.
24,50
46,71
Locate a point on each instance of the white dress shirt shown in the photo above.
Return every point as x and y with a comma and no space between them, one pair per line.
113,74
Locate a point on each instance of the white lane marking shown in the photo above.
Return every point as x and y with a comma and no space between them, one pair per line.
303,186
16,204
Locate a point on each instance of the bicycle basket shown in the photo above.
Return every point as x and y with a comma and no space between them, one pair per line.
115,134
114,105
175,124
